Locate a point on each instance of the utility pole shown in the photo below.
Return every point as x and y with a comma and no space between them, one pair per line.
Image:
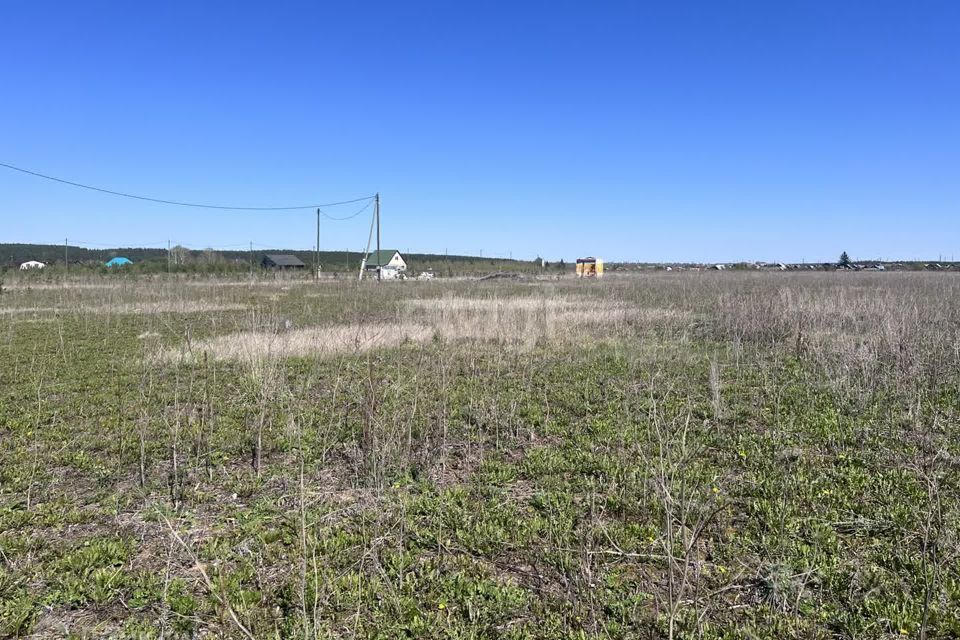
251,259
376,206
168,256
66,257
318,246
366,252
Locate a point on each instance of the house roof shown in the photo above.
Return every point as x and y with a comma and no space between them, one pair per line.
284,260
382,257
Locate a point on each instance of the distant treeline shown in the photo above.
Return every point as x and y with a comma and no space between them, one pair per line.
182,259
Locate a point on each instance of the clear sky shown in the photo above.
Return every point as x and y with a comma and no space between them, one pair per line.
650,131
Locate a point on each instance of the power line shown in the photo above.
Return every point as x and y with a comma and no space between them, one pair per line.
352,215
175,202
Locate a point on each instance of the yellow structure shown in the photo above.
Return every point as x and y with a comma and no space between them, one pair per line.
589,268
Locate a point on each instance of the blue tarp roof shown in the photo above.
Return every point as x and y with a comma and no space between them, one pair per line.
118,261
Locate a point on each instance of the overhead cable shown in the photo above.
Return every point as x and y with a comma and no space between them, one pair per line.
178,203
351,216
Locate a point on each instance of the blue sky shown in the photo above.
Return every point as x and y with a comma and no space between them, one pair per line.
712,131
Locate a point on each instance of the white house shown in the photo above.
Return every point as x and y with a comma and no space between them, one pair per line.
389,261
31,264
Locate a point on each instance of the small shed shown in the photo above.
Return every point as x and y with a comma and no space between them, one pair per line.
31,264
589,267
119,261
282,261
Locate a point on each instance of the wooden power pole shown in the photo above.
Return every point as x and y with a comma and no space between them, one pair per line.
376,207
374,220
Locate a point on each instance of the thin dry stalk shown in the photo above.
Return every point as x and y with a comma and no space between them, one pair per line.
223,600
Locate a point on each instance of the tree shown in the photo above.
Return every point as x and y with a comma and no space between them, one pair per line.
179,255
210,256
844,260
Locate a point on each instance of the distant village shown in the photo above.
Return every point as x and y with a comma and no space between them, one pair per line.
386,264
391,264
869,265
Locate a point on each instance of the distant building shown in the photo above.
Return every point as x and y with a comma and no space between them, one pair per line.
589,267
119,261
282,261
31,264
388,261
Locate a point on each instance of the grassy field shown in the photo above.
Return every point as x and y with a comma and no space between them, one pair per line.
709,455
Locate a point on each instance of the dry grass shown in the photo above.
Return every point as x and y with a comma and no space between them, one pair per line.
518,323
168,306
253,346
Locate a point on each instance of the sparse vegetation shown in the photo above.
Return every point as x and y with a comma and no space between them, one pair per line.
710,455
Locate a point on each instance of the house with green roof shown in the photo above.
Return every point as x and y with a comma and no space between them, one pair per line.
389,261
